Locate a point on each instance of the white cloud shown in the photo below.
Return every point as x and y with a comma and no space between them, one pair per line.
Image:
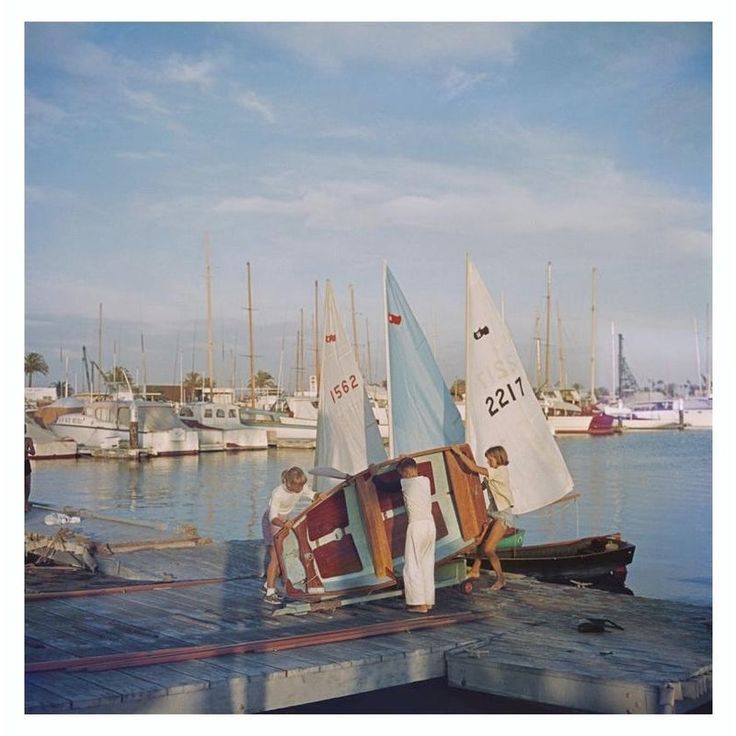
458,81
198,72
251,102
145,100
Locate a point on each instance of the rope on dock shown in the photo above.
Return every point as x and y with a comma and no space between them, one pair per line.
180,654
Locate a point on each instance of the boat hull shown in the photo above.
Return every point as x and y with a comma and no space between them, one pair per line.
588,559
352,539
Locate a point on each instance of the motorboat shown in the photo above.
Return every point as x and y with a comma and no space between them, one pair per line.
219,427
111,423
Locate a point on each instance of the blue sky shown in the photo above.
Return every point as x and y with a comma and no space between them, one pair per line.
317,151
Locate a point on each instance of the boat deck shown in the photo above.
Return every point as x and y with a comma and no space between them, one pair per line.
521,643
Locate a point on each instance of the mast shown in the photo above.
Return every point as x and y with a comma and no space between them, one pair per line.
537,353
593,339
613,360
301,348
368,353
388,365
317,365
251,351
560,351
355,330
210,356
145,372
546,345
99,344
697,355
708,387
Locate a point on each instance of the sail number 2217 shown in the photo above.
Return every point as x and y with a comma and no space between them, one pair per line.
504,395
343,388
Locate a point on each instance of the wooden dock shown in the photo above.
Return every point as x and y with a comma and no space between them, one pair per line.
526,645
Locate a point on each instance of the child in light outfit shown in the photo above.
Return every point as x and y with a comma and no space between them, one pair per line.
501,503
420,538
283,500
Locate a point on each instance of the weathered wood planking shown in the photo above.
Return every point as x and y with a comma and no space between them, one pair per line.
532,630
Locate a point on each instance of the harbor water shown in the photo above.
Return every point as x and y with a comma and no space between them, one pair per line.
653,487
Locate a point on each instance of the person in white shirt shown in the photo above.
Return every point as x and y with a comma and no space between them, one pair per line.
421,534
283,500
502,502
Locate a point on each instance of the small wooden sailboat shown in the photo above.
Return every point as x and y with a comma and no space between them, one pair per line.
351,540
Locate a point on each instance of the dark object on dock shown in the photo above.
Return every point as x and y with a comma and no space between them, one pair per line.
588,559
598,625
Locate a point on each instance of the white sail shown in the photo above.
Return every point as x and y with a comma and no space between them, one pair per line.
348,439
501,408
422,413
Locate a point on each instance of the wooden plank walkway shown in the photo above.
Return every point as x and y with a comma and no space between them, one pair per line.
529,643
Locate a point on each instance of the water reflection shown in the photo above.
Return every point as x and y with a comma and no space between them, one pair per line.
653,487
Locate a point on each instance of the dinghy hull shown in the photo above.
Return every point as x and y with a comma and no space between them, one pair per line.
351,540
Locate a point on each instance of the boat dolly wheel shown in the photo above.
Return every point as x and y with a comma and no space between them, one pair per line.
467,586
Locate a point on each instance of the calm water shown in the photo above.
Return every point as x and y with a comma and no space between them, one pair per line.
653,487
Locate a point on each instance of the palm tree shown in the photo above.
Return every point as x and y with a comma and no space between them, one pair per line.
264,379
35,363
193,381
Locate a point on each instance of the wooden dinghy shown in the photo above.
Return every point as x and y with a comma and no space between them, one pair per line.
588,559
351,540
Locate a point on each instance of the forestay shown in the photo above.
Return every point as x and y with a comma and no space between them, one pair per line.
422,414
501,408
348,438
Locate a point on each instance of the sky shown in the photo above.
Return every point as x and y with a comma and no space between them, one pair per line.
318,151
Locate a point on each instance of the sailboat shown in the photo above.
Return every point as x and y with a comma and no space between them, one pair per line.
501,409
348,438
351,541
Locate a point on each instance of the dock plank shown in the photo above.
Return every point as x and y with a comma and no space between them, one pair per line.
530,637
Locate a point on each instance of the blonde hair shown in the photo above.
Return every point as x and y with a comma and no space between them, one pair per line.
499,454
294,476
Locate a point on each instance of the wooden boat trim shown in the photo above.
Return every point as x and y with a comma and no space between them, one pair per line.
370,511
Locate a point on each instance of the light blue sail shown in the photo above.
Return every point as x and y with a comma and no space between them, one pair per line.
422,413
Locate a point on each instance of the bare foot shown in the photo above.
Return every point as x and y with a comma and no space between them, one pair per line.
474,571
498,585
417,609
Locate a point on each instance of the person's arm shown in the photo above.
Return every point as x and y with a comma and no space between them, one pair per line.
468,462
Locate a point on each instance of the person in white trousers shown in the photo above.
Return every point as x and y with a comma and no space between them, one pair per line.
420,538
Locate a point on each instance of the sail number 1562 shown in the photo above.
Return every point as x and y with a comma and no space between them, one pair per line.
504,395
343,388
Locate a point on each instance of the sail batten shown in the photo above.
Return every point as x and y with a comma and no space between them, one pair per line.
502,409
422,412
348,438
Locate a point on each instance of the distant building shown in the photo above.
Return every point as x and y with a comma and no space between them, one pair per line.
40,394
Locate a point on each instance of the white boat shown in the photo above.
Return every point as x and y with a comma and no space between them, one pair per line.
563,417
219,427
697,412
106,424
348,438
292,424
46,444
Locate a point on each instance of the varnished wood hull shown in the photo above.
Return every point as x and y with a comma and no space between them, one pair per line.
351,540
587,559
